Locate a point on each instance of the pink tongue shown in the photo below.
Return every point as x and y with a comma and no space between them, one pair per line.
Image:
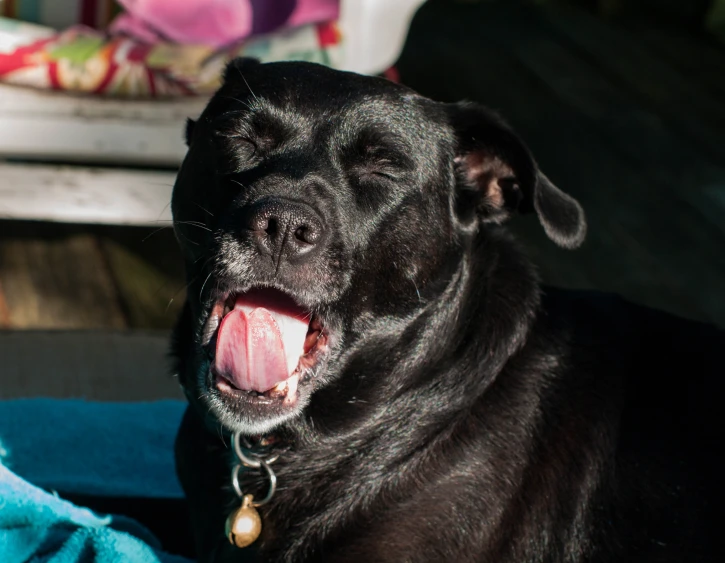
257,348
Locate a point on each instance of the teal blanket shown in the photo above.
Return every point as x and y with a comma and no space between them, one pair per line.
85,448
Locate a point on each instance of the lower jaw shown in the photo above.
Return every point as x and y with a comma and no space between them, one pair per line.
239,411
285,392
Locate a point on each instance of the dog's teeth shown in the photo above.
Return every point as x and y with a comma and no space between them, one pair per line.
292,386
281,386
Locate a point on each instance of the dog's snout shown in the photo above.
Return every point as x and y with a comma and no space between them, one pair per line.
284,227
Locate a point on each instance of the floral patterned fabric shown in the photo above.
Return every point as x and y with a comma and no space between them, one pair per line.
82,59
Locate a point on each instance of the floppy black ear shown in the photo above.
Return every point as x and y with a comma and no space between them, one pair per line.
237,66
498,169
189,130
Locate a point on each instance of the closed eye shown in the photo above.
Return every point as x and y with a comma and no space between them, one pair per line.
238,151
377,153
240,142
383,163
251,139
386,174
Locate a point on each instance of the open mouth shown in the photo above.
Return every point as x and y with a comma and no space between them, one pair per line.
262,345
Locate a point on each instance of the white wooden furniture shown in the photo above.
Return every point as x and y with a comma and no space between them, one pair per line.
113,161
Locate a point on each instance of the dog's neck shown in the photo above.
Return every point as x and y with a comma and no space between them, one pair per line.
481,319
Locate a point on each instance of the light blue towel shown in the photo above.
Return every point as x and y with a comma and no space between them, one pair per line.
79,447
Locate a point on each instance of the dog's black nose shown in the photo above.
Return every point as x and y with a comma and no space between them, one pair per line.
283,227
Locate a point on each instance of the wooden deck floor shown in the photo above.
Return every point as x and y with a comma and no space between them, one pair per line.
630,120
57,276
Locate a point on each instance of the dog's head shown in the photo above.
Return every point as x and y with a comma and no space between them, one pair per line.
316,208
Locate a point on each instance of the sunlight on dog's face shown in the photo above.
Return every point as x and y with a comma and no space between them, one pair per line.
316,209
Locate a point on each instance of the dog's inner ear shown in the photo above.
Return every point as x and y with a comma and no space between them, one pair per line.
497,176
490,186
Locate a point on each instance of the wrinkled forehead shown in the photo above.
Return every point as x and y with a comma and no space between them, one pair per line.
317,105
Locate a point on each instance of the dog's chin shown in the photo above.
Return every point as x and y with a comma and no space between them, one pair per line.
231,392
254,414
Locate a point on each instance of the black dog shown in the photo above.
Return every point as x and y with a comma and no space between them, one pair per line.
356,307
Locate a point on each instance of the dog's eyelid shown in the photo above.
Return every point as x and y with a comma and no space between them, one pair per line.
233,144
384,157
383,174
261,140
379,170
383,164
234,131
393,166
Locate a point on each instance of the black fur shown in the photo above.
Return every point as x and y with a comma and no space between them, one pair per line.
463,414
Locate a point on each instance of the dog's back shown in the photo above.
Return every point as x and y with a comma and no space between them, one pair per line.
664,375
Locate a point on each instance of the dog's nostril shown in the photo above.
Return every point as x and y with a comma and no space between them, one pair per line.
301,233
261,221
307,234
272,227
